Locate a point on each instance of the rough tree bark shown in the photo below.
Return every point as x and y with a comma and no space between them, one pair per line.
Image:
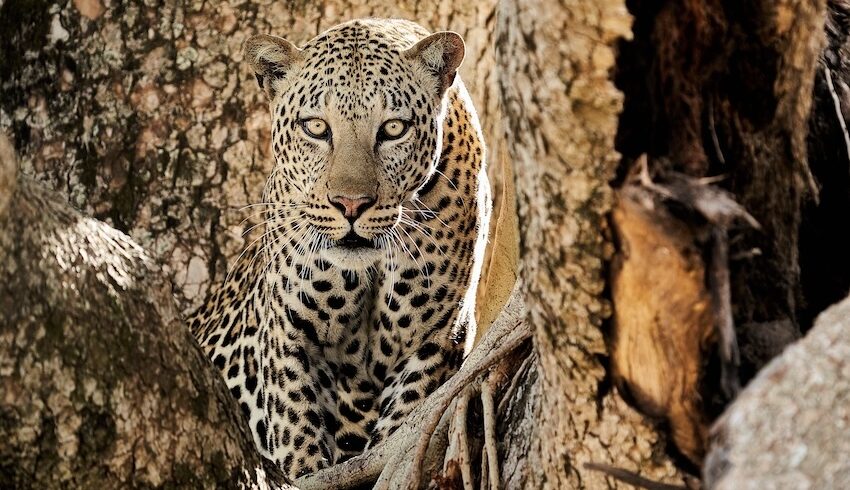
103,386
561,111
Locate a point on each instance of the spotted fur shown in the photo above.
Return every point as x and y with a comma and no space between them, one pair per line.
331,329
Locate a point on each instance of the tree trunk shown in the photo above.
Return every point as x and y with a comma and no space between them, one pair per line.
103,386
561,114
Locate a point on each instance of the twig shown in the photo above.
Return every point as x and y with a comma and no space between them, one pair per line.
713,179
746,254
459,447
836,101
632,478
646,179
490,434
515,381
716,205
714,139
721,299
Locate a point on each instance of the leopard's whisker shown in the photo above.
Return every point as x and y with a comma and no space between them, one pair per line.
404,214
434,213
450,181
271,221
267,187
273,213
280,205
414,219
246,249
264,251
391,266
268,247
297,249
279,251
307,271
425,234
415,224
398,240
427,275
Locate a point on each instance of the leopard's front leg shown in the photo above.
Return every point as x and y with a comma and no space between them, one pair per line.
411,380
297,436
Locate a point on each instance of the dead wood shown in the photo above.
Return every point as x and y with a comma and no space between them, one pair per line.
663,319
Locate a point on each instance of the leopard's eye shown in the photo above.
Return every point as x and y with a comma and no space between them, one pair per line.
316,128
393,129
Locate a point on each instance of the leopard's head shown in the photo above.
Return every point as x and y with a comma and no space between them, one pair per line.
357,116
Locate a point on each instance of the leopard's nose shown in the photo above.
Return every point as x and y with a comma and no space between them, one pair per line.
351,207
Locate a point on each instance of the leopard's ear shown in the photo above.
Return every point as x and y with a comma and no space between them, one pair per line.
271,58
440,54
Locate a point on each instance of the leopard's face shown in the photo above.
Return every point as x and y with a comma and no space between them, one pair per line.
356,131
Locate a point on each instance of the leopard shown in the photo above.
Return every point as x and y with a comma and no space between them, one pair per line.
358,299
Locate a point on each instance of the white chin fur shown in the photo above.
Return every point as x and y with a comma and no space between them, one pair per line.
351,258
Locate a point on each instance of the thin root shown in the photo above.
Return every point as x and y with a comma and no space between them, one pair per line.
458,450
490,435
492,358
632,478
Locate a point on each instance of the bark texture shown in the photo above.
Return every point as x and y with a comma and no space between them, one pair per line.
788,428
561,115
102,384
143,114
